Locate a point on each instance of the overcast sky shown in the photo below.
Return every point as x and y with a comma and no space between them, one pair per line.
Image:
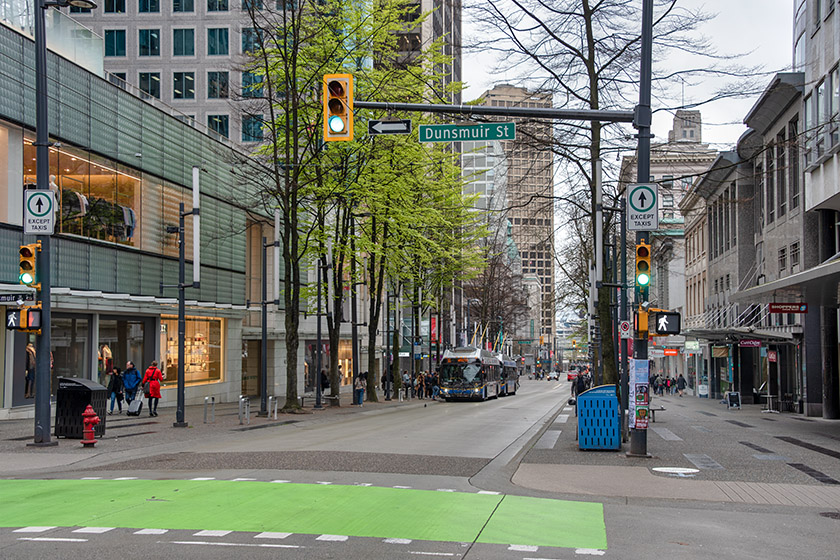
761,27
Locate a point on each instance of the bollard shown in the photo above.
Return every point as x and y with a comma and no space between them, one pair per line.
273,401
244,409
89,419
212,402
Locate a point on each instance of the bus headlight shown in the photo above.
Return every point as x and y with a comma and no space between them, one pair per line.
477,390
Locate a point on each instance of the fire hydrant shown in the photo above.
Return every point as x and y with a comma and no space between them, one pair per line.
90,419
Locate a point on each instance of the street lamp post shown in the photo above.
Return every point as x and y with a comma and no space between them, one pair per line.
42,174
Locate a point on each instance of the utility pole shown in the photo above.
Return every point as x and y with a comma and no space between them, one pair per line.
638,438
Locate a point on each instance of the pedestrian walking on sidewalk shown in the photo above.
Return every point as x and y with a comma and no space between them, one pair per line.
406,380
359,387
115,389
681,384
131,381
151,387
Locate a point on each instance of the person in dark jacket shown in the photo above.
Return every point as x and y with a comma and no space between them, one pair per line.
131,381
580,384
115,389
681,383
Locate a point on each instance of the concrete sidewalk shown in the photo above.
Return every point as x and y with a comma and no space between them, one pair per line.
738,456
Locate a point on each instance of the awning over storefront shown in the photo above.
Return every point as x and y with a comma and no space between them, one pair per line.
736,334
816,286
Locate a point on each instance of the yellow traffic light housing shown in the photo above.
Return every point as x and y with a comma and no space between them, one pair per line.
338,107
28,275
642,265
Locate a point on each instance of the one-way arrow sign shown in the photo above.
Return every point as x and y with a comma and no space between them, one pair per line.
389,127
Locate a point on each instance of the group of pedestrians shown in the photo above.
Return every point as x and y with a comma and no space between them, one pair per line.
124,385
425,385
667,385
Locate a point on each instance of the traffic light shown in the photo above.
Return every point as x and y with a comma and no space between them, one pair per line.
28,263
338,107
642,265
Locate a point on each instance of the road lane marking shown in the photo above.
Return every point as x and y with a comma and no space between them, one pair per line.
402,487
280,481
397,541
94,530
127,478
333,538
271,535
212,533
203,478
51,539
91,478
523,548
590,551
324,482
418,553
33,529
489,492
151,532
247,545
243,480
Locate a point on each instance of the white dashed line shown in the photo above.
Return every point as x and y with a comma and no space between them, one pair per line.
212,533
365,484
268,535
280,481
94,530
489,492
91,478
402,487
203,478
151,532
590,551
33,529
206,543
523,548
431,553
324,482
126,478
334,538
445,490
243,479
50,539
397,541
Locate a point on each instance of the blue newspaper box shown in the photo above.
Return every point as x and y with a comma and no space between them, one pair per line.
599,420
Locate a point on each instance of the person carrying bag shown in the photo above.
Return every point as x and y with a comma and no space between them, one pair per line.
151,387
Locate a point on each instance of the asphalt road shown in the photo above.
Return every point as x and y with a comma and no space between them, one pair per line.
501,479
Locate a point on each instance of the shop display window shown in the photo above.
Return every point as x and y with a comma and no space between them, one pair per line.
120,341
203,349
94,197
70,337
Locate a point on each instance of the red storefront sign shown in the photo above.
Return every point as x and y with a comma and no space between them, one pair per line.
788,308
771,356
672,352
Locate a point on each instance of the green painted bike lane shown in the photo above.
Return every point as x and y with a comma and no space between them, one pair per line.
360,511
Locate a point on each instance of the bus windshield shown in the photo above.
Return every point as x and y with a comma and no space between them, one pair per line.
460,372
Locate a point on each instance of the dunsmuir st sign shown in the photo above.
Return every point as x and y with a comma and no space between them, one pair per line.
466,132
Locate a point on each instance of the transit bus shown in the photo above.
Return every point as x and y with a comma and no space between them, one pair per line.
470,373
509,381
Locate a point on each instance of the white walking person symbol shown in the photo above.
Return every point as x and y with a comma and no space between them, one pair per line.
663,323
12,320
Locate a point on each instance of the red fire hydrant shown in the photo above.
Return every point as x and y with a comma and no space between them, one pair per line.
90,419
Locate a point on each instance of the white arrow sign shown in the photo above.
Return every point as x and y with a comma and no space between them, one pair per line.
389,127
39,212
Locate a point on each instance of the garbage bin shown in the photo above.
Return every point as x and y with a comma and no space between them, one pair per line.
71,399
599,421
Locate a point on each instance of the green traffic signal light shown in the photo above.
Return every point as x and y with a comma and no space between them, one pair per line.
643,279
28,256
643,265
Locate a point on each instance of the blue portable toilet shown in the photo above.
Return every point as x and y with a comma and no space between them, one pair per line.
599,420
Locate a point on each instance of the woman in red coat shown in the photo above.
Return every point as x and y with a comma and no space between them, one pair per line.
153,377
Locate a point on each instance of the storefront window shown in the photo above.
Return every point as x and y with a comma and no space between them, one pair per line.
120,340
70,337
203,349
94,197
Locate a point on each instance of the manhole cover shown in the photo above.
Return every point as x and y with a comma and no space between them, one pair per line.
675,470
831,514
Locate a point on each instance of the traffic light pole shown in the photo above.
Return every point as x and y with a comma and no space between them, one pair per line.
264,329
638,438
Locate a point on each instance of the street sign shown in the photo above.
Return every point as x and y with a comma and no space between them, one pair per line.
467,132
624,329
389,127
666,322
643,207
39,212
788,308
5,298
